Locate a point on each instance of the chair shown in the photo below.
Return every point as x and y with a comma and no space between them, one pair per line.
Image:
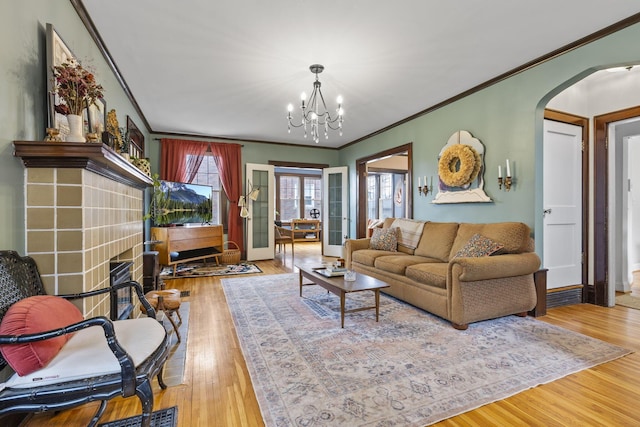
92,359
282,237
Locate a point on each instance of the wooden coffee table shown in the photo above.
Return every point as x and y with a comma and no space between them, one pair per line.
340,287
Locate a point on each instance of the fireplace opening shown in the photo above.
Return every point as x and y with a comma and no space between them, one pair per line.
121,301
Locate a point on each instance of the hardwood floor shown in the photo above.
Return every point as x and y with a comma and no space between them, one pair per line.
218,390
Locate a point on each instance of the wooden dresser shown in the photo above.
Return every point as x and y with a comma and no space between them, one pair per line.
176,245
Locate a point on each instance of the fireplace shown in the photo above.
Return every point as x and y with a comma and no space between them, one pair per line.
121,301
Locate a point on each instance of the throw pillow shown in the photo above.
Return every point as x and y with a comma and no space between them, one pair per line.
31,315
384,239
479,246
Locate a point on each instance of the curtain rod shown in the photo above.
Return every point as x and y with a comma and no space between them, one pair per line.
160,139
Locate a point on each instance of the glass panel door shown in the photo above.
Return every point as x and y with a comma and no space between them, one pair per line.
260,222
336,209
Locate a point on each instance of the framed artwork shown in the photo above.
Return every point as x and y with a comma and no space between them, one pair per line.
136,146
97,117
57,53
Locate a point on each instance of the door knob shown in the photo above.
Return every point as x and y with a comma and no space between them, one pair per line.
546,211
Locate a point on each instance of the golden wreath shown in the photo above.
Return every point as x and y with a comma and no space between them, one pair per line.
469,161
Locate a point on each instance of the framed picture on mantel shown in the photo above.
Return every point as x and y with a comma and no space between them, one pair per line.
57,53
136,146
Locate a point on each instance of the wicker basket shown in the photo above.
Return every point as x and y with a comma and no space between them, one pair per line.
230,255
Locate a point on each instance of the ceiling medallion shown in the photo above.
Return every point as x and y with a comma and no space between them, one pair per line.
315,113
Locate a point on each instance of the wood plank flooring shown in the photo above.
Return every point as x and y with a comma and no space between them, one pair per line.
218,390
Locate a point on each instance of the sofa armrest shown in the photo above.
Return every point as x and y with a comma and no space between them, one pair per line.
351,245
495,267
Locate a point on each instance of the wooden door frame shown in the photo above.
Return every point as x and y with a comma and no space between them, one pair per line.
600,294
583,122
361,183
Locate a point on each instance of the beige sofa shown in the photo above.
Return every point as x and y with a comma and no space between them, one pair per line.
425,272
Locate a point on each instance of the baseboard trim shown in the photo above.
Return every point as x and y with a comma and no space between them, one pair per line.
567,295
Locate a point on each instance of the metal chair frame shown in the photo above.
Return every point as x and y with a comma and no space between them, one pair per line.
19,279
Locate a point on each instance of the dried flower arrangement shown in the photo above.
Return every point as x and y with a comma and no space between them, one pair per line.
76,87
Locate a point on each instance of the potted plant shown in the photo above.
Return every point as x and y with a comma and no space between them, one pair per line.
77,89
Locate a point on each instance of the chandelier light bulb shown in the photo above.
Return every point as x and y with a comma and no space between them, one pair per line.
339,100
290,107
303,96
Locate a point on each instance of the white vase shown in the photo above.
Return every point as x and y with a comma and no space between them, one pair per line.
75,129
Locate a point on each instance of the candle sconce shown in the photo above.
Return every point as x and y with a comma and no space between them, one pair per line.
507,181
424,190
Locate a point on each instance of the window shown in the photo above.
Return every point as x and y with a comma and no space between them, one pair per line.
208,175
289,201
298,191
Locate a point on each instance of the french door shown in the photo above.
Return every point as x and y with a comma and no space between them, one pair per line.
336,210
260,222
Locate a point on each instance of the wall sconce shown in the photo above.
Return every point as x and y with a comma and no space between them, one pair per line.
425,189
507,181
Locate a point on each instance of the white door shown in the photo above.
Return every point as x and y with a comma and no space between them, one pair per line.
335,224
562,200
260,222
631,210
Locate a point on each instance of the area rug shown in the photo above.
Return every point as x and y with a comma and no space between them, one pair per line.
409,369
628,300
173,373
200,269
163,418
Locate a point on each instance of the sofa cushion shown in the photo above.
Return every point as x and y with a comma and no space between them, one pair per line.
437,239
515,236
368,256
40,313
479,246
384,239
431,274
87,353
399,262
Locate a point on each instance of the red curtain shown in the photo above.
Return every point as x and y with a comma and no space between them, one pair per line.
175,167
228,159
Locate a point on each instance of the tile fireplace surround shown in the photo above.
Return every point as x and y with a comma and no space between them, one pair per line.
83,210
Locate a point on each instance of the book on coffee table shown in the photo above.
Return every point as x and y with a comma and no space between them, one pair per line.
331,272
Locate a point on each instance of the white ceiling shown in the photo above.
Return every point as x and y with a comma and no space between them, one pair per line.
228,69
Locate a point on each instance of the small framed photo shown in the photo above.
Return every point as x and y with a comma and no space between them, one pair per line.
97,117
136,147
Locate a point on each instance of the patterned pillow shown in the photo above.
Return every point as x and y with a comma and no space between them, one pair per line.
479,246
384,239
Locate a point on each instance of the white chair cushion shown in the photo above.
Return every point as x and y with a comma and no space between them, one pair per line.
87,354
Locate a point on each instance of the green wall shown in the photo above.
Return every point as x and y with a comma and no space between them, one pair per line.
23,93
506,117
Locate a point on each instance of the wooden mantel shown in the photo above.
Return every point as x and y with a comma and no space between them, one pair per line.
95,157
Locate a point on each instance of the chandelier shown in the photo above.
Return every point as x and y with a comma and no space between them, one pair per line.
315,112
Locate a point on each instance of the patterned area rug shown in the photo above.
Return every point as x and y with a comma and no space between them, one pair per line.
628,300
173,373
200,269
409,369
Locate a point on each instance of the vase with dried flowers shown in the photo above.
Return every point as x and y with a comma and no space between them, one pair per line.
77,89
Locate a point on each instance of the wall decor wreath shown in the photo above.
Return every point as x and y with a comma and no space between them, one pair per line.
459,165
